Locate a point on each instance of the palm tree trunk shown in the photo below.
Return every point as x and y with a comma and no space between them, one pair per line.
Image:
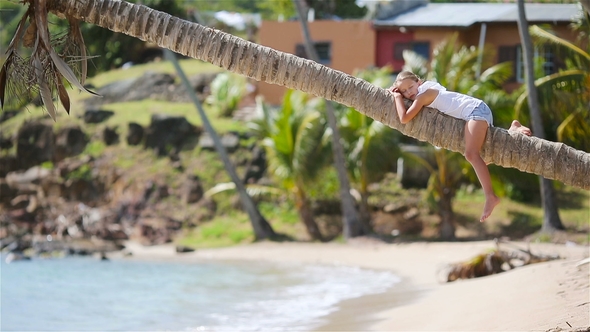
352,226
306,215
551,219
529,154
447,216
365,211
262,229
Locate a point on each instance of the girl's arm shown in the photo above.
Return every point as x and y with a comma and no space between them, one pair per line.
405,115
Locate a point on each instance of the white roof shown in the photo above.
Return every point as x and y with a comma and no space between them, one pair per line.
467,14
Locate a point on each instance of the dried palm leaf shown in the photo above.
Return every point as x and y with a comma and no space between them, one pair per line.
67,72
30,35
45,70
44,89
3,82
40,18
18,35
75,38
62,93
492,262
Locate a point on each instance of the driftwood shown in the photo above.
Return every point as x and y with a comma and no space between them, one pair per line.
494,261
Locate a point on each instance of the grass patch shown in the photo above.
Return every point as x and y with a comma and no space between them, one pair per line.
517,219
189,66
223,231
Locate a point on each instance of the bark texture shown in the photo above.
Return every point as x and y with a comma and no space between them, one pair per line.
529,154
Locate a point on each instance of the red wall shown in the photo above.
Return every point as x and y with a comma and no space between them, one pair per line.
386,39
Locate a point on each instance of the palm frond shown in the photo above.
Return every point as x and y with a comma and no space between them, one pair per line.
582,57
415,63
253,190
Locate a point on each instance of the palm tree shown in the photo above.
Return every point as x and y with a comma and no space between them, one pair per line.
227,89
530,154
261,227
371,147
551,219
297,148
351,220
564,96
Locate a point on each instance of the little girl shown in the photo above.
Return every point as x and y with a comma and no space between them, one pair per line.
477,114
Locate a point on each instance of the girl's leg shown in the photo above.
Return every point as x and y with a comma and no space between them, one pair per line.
475,134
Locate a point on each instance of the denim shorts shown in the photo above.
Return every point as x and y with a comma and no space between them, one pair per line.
483,113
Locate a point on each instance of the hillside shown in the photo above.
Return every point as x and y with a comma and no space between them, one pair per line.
91,183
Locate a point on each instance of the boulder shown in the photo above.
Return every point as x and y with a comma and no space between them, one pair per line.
96,115
170,132
110,136
191,190
8,164
69,141
35,144
229,141
135,133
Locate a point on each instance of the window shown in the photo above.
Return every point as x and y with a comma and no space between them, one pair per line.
421,48
544,55
323,49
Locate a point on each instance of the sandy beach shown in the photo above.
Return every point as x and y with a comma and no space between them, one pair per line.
550,296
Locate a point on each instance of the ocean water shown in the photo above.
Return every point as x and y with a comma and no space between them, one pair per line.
86,294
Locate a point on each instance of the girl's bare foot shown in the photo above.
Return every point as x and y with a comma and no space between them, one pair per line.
519,128
491,203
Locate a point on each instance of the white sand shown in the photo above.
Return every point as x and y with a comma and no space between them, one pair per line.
537,297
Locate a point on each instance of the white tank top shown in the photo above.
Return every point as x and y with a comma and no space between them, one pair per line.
452,103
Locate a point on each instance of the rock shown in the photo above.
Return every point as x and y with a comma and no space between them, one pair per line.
8,164
96,115
7,193
170,132
256,165
191,190
135,133
229,141
6,115
81,190
35,144
183,249
69,141
110,136
5,143
28,180
16,256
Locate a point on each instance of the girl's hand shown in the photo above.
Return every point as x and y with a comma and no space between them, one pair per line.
395,92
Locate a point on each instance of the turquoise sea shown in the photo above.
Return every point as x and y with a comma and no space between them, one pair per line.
86,294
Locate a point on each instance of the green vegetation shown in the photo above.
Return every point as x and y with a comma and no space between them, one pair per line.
298,151
226,230
564,96
227,89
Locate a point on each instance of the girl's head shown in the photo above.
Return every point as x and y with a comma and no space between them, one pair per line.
407,83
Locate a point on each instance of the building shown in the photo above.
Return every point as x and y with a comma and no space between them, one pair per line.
345,45
418,25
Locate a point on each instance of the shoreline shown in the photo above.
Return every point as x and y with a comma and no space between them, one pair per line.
546,296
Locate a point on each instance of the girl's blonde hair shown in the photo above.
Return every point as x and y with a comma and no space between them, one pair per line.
405,75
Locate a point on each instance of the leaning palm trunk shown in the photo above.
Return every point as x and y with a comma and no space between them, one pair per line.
530,154
447,215
351,221
306,215
261,227
551,219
